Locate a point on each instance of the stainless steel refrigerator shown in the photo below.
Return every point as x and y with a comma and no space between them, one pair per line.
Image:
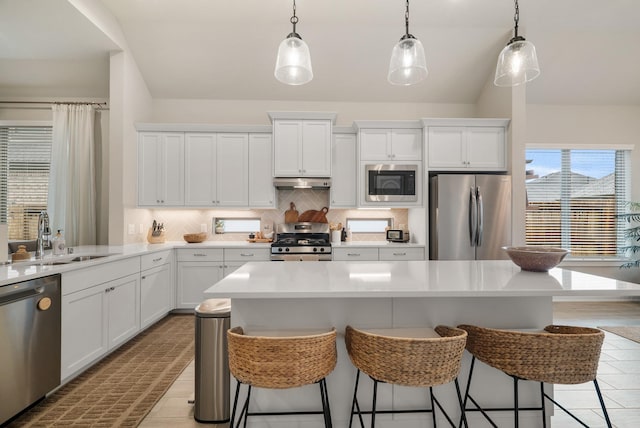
469,216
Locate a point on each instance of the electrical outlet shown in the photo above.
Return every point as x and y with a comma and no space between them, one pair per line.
141,229
132,229
203,227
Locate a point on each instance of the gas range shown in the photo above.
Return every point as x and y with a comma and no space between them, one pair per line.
301,242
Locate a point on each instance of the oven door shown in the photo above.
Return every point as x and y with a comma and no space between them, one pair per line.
300,257
391,183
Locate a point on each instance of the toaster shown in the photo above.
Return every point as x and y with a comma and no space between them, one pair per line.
397,235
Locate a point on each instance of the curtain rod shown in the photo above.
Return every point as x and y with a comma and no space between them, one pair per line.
100,106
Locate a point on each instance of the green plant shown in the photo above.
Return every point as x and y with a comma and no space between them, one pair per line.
632,234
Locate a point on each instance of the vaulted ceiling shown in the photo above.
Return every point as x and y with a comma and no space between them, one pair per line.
589,50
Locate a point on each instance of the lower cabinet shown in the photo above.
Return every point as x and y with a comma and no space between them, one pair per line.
156,287
378,253
98,317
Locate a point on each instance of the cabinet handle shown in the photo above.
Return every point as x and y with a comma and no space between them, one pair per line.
246,254
157,260
399,254
199,255
144,277
353,254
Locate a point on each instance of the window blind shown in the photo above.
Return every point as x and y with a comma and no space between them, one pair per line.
573,200
25,157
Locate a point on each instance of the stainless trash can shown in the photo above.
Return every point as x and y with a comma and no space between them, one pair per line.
212,361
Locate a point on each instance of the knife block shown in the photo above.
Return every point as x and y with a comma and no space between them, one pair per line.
160,239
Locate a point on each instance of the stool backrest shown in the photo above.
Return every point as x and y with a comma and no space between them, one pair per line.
281,362
408,361
559,354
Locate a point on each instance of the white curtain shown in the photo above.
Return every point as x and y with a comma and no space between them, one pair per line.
72,189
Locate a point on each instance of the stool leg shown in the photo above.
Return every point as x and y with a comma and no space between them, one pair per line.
544,410
433,407
245,411
463,417
354,404
235,404
515,401
326,410
373,406
604,409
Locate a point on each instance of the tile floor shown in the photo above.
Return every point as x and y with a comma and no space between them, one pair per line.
618,375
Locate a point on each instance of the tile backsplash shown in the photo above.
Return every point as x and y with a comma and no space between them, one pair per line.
180,221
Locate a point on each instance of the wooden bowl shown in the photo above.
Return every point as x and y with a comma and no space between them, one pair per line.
195,237
536,259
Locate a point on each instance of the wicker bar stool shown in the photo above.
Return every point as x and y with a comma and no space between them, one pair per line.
280,363
408,361
558,355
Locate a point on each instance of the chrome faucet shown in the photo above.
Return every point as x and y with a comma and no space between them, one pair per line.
43,233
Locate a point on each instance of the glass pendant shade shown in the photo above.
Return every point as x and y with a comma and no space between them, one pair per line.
293,65
517,64
408,64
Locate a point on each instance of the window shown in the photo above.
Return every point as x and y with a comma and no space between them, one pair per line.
237,225
25,157
369,225
574,197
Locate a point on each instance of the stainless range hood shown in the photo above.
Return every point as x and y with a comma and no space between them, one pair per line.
302,183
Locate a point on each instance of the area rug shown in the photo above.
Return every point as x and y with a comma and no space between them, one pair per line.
628,332
120,390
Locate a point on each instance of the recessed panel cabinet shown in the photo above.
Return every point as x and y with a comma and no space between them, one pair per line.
302,148
161,169
262,193
344,171
481,148
385,145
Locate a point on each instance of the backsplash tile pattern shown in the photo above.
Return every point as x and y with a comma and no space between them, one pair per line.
177,222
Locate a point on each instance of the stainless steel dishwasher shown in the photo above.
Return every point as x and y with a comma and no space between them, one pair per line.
29,343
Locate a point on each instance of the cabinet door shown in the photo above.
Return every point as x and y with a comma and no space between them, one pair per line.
486,148
150,147
412,253
231,267
261,189
375,144
84,329
173,179
200,170
193,279
363,254
344,175
406,144
316,148
287,157
123,311
446,147
232,164
155,294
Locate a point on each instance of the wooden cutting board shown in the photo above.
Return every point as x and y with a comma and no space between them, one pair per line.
314,216
291,215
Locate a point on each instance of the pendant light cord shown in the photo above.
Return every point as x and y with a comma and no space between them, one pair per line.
516,18
294,18
406,20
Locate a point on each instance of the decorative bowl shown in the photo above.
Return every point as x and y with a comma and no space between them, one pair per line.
536,259
195,237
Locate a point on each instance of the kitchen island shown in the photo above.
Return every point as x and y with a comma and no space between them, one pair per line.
317,296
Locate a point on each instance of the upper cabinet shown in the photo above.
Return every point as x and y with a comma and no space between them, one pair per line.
344,171
302,144
161,169
390,144
262,193
463,144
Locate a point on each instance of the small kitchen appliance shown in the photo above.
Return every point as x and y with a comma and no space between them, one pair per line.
302,241
397,235
391,183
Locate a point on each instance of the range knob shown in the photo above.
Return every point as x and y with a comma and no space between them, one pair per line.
322,250
286,249
279,250
315,249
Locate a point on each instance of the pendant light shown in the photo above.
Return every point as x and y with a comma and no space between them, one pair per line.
517,63
408,65
293,65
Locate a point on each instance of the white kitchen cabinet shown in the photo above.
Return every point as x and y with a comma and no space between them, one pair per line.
161,169
100,311
355,253
372,253
388,145
156,287
216,169
344,166
262,193
401,253
302,148
198,269
481,146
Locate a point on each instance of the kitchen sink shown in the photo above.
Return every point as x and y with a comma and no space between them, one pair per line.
60,260
85,258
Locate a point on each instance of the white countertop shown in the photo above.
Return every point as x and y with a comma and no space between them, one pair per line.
382,244
410,279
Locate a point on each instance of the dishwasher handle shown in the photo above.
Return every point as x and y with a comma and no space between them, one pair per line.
16,293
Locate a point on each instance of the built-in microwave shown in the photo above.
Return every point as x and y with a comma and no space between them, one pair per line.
391,183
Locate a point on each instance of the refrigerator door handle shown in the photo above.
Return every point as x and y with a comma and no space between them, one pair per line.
480,217
473,217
